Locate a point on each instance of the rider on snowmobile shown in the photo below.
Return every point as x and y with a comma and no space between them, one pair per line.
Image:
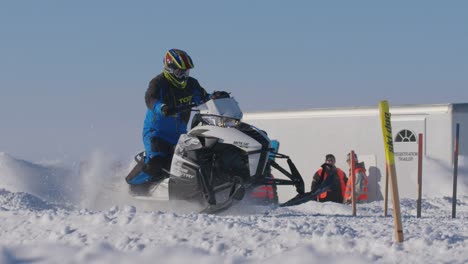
167,94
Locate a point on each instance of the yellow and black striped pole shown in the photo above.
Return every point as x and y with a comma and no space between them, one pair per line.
385,119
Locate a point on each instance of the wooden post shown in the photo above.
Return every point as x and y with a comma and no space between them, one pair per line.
386,190
455,173
386,123
353,181
420,154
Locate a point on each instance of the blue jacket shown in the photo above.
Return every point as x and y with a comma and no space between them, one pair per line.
161,92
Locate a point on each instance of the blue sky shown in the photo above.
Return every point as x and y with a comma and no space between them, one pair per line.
74,73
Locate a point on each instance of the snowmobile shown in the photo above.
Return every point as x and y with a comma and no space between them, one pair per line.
220,159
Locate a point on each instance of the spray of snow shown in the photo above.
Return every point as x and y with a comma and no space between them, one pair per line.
100,178
438,177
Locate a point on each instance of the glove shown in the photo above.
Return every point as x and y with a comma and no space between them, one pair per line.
172,110
326,166
168,110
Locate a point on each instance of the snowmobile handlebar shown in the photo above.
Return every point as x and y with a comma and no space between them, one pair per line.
169,110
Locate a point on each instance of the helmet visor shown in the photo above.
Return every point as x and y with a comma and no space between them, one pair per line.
181,74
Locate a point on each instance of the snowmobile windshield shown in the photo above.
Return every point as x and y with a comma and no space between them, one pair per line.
224,107
220,121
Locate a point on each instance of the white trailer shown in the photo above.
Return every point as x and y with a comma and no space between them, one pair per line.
307,136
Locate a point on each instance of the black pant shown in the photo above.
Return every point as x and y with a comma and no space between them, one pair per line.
156,164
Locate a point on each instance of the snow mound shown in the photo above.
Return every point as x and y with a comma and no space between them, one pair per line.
23,201
50,182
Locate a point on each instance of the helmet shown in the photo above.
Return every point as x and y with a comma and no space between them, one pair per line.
177,65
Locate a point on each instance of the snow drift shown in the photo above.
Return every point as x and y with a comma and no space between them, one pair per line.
50,213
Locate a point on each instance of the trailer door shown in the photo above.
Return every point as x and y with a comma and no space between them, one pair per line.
405,137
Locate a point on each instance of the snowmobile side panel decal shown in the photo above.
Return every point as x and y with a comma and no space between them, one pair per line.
228,135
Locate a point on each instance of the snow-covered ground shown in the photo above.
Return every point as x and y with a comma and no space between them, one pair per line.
52,213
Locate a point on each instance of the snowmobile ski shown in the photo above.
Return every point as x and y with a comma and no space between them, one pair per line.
310,196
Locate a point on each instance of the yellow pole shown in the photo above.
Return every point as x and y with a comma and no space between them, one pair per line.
386,123
386,190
